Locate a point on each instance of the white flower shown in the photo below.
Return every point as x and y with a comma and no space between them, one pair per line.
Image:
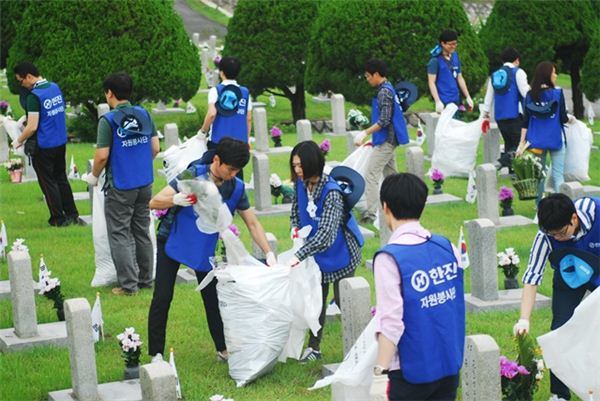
275,181
510,251
19,246
504,261
216,397
539,375
515,259
540,364
501,255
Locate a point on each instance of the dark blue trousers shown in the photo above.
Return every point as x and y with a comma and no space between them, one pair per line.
399,389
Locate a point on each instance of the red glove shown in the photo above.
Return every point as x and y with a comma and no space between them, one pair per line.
192,198
485,126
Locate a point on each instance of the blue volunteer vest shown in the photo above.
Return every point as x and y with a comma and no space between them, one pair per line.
234,126
589,242
337,256
190,246
52,128
545,133
130,157
432,345
398,122
445,81
506,106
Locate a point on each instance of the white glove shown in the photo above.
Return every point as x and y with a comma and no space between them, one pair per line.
470,103
181,199
439,107
294,262
572,118
271,259
201,134
91,179
360,137
294,233
522,326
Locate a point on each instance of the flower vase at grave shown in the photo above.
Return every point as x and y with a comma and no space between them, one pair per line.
131,372
511,283
16,176
60,313
277,141
507,209
437,188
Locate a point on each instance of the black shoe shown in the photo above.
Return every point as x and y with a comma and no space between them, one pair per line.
59,223
73,219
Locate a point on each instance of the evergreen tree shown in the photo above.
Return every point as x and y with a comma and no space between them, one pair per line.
270,39
400,32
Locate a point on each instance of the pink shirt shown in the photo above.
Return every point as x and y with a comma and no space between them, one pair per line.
390,305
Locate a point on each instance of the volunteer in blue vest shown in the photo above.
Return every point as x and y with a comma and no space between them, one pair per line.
335,240
506,98
444,74
567,229
229,107
179,241
46,124
420,313
125,148
544,114
388,130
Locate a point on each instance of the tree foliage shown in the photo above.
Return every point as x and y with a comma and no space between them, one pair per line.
590,82
78,43
559,30
270,39
400,32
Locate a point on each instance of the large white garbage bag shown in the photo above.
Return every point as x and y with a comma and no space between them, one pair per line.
358,160
306,297
572,351
579,146
178,158
255,305
456,142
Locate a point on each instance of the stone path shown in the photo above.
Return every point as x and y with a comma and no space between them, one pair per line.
195,22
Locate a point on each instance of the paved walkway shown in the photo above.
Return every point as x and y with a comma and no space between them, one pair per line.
195,22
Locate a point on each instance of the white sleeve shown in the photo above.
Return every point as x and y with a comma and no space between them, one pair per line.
249,108
212,95
489,97
522,84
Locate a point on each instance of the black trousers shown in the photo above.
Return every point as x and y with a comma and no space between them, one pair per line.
50,166
399,389
510,130
164,285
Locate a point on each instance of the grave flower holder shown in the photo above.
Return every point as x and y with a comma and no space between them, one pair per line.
437,187
438,180
16,176
130,344
506,198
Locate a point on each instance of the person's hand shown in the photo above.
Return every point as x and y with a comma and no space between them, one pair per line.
359,138
520,149
439,107
201,134
271,259
572,119
522,326
470,103
294,262
91,179
181,199
294,233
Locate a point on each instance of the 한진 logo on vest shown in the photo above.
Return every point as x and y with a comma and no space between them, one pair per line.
420,281
47,104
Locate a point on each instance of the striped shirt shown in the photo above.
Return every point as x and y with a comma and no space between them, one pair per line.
385,100
541,248
332,217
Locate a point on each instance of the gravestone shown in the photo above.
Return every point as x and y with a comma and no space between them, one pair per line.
261,135
262,188
3,142
491,145
338,114
85,220
258,253
350,146
479,375
158,382
414,161
26,332
303,130
171,133
431,121
212,46
355,299
196,38
103,108
573,190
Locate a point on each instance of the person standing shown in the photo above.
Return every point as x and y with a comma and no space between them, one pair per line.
335,240
179,241
388,129
127,144
572,228
505,92
420,313
46,132
444,74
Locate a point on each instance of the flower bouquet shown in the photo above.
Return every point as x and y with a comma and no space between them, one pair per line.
276,136
506,198
508,261
438,179
528,171
50,288
520,378
325,147
13,164
130,343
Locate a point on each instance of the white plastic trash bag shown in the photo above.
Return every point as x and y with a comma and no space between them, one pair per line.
355,373
306,297
456,143
212,214
177,158
358,161
579,146
572,351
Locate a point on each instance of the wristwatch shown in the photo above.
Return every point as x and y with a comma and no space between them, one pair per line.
378,370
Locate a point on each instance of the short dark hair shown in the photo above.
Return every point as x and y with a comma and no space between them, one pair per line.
509,55
404,194
120,84
233,152
26,67
374,65
311,157
230,66
555,212
448,35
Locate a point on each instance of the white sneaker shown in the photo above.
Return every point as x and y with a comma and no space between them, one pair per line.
554,397
157,358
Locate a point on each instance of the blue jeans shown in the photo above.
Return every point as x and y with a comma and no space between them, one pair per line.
558,171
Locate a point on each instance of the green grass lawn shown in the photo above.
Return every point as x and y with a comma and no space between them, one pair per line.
69,254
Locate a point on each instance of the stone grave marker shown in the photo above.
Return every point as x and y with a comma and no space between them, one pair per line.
415,159
491,145
338,114
479,376
261,134
431,120
303,130
262,188
158,382
258,253
355,299
103,108
573,190
171,133
196,38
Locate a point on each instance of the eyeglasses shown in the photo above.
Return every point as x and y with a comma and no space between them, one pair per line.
562,233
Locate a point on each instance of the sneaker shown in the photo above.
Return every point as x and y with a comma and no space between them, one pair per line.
310,355
222,356
157,358
123,291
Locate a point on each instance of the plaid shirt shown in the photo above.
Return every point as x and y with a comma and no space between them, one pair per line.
332,217
385,99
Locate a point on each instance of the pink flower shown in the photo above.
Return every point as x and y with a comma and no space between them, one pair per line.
325,145
437,175
159,213
505,193
233,228
275,132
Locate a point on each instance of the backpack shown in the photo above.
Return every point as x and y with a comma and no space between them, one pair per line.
228,100
132,121
351,183
501,80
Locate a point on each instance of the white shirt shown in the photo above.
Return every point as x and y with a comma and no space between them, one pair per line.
213,94
522,85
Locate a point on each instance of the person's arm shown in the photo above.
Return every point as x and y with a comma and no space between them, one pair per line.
439,106
522,85
209,118
155,146
463,88
163,199
488,100
528,300
257,232
385,100
100,160
33,120
564,117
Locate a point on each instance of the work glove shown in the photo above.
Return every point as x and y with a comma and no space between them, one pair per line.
439,107
470,103
271,259
181,199
294,233
91,179
522,326
360,137
485,125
